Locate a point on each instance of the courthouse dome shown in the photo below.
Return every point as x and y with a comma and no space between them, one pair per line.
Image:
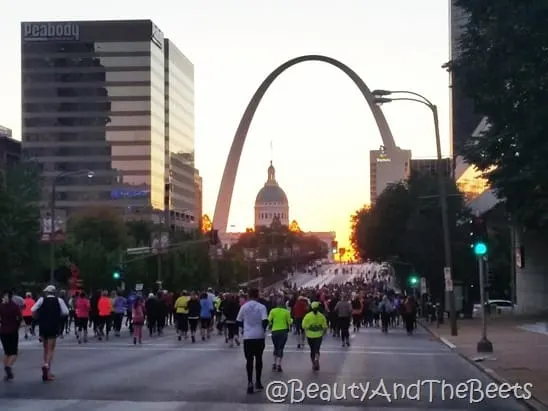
271,192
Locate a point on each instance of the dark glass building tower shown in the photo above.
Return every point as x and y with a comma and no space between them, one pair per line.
464,119
94,97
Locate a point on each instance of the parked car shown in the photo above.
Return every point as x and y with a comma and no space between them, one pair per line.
494,307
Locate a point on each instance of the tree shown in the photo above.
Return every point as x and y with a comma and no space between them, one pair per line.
502,68
294,226
19,222
96,240
206,224
404,226
281,248
378,231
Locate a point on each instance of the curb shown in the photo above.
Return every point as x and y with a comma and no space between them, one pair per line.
532,404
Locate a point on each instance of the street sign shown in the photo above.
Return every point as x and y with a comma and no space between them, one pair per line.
46,234
423,285
138,250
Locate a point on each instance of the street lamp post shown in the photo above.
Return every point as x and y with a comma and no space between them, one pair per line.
381,97
56,178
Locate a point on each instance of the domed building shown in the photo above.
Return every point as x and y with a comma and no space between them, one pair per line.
271,202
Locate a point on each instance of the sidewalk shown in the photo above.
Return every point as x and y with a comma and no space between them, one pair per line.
518,355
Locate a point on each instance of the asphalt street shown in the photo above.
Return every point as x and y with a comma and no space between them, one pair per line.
165,375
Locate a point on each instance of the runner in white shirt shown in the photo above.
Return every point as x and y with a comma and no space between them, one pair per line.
254,320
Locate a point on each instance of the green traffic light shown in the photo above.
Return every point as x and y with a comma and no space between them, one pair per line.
116,275
480,249
413,280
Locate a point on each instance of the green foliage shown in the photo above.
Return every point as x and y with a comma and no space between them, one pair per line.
502,67
97,241
19,222
282,248
404,226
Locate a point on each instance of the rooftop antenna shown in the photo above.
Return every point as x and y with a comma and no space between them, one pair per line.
271,152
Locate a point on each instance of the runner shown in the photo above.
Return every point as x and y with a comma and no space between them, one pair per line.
254,320
10,319
181,315
315,326
50,311
81,320
279,320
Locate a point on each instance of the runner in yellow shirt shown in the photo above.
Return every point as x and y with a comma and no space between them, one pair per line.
279,321
315,326
181,315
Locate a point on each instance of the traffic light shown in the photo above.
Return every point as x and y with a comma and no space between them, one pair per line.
116,275
478,234
334,246
413,280
480,249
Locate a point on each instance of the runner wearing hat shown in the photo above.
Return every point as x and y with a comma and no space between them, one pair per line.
315,326
50,312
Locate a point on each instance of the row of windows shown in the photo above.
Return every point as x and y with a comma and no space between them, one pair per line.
85,106
105,99
83,46
91,89
110,121
82,70
91,61
117,152
86,135
76,76
265,216
84,54
83,128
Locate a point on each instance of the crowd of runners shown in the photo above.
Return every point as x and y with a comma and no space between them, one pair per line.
311,313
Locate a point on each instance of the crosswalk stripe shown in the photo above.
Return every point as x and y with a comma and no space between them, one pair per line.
157,347
85,405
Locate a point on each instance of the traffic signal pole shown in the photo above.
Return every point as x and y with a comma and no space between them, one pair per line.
484,345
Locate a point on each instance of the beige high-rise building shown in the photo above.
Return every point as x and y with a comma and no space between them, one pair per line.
387,167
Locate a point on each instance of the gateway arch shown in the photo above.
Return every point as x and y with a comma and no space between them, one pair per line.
224,198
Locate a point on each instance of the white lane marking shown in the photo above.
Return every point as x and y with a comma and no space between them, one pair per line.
56,405
131,348
448,343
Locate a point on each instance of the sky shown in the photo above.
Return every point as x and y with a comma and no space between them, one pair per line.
313,115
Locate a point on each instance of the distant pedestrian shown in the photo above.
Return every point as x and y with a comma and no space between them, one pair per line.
10,320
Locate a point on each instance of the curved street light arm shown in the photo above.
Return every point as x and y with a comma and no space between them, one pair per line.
416,100
412,93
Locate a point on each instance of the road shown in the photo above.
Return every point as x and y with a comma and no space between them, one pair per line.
164,375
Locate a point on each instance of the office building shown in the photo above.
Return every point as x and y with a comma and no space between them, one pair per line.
463,118
179,138
96,95
199,205
387,167
429,166
10,149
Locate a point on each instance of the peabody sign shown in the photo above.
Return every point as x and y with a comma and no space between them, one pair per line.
51,31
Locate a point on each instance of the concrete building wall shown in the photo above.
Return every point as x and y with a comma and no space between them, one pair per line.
10,149
387,167
532,278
